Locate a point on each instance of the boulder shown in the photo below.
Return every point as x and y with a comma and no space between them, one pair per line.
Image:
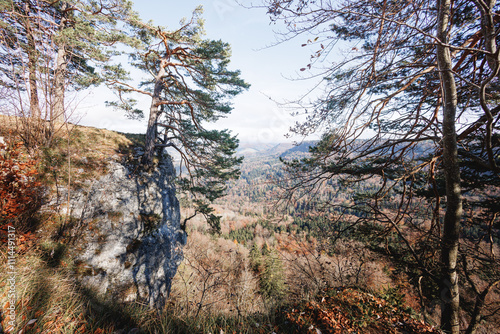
126,231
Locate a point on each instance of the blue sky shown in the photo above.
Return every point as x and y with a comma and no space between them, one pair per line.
256,117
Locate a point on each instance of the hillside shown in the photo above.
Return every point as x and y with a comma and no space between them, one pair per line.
257,277
331,223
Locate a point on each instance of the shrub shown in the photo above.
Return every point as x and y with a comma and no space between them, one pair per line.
20,191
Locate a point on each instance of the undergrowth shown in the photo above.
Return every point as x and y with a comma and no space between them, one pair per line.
50,300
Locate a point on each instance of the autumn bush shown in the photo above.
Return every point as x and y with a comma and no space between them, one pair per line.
340,310
20,190
310,270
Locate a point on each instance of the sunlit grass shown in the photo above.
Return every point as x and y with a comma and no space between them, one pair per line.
49,300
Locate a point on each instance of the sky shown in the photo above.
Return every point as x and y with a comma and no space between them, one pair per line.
258,115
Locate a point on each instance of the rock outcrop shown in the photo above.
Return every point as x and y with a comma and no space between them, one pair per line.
128,240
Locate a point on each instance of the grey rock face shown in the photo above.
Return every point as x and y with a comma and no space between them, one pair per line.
128,239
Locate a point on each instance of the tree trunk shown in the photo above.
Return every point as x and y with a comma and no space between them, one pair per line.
57,108
489,32
26,22
151,133
58,113
34,127
154,113
32,68
476,315
450,307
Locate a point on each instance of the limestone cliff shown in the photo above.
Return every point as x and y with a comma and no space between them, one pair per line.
127,236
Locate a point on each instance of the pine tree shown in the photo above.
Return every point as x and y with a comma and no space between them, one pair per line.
84,35
255,258
267,265
50,47
189,85
272,280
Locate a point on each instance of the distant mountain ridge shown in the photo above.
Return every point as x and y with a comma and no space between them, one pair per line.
272,149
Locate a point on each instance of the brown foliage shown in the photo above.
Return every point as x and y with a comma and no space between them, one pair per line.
354,311
19,188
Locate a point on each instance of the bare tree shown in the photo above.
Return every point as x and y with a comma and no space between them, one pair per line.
412,104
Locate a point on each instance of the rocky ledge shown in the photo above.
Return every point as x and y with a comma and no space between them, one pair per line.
127,240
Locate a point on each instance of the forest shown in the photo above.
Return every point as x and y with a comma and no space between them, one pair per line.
381,217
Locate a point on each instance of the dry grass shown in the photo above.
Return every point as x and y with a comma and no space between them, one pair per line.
46,298
76,154
81,154
49,300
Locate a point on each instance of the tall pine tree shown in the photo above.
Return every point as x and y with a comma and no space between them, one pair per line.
190,85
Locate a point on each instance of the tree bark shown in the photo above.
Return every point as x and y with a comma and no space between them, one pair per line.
151,132
58,113
32,68
26,21
57,108
478,307
154,113
450,306
488,30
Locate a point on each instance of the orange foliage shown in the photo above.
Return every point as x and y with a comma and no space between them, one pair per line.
19,188
354,311
25,241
